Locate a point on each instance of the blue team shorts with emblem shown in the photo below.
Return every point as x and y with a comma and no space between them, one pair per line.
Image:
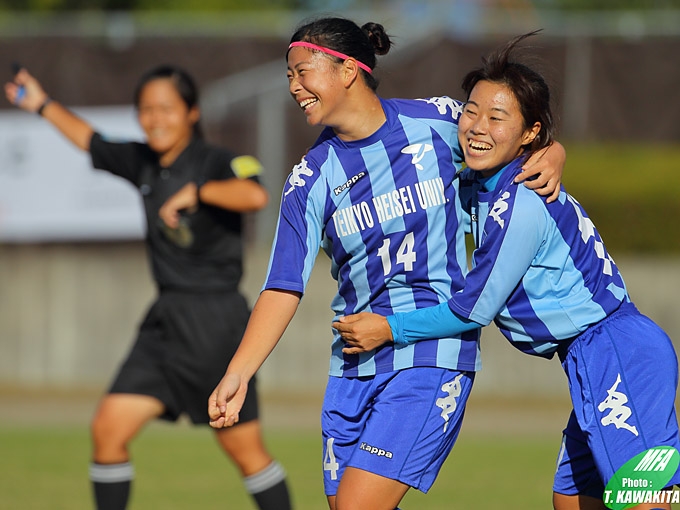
400,425
623,375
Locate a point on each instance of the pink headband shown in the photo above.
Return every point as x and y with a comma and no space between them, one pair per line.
330,52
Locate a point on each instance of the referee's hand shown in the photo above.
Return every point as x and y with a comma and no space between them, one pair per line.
25,92
226,401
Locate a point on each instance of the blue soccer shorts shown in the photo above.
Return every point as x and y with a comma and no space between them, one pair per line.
400,425
623,375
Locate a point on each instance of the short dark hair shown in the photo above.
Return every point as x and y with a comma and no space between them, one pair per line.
528,86
345,36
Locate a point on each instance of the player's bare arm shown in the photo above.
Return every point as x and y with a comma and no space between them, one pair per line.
363,332
547,165
270,317
27,93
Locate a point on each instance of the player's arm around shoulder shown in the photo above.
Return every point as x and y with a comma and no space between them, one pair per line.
545,168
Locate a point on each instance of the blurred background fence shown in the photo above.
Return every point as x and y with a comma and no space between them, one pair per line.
72,291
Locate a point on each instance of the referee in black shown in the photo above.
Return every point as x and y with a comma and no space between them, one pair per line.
193,196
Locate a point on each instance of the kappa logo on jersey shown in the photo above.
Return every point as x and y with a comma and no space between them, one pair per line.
619,412
444,103
297,177
499,208
349,183
417,151
448,404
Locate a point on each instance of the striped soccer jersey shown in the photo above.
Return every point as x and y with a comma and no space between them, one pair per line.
540,270
386,211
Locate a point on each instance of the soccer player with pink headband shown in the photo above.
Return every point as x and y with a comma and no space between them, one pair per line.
378,192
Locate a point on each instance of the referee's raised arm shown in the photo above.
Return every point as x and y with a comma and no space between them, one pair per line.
27,93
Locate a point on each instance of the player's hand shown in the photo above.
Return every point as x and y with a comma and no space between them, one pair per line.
226,401
547,165
186,199
25,92
363,332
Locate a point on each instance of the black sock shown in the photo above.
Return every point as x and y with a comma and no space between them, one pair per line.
269,488
111,484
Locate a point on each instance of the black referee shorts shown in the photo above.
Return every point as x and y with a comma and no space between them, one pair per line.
182,351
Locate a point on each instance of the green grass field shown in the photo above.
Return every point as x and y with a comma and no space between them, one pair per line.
181,468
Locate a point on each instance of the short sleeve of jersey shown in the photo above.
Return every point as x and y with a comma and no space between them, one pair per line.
124,159
299,230
511,237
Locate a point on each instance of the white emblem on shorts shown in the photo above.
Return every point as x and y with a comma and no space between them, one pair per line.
449,404
619,413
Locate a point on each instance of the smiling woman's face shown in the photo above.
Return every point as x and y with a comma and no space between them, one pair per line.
165,118
314,83
491,130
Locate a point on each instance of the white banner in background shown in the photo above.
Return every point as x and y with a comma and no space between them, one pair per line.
48,189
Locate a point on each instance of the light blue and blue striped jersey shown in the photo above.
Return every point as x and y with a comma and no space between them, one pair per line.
540,271
386,211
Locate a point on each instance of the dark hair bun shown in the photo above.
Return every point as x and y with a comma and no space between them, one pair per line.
378,37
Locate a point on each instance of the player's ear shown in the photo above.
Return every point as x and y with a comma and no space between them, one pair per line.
531,133
350,71
194,115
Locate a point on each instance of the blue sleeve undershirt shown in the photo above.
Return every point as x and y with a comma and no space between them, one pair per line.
427,323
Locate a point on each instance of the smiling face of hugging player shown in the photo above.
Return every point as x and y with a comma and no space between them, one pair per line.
491,130
542,273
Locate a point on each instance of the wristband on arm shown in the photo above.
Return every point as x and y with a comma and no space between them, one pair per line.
199,184
41,108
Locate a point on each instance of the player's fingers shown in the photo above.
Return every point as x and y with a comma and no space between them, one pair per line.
348,337
352,350
347,332
554,195
219,399
231,419
224,420
217,423
545,189
214,411
342,328
352,318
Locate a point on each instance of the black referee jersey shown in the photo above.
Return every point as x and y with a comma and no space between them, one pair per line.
205,252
